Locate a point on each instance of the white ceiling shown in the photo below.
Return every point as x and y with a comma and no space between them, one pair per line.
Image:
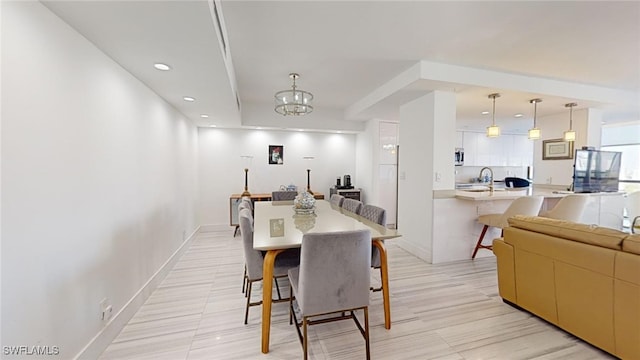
348,52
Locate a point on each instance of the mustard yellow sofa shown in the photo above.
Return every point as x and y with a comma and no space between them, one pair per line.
584,279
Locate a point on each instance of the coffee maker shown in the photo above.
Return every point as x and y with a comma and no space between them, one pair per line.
346,183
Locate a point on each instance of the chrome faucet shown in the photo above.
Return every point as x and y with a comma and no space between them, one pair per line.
491,173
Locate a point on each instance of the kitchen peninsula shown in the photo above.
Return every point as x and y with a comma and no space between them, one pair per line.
456,230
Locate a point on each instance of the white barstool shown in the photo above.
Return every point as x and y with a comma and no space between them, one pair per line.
526,205
633,211
569,208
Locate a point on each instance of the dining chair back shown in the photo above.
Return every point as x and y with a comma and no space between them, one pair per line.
244,205
352,205
337,199
377,215
525,205
247,202
332,281
374,213
569,208
254,261
283,195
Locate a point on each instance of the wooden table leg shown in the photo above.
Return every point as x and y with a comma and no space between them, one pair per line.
384,278
267,290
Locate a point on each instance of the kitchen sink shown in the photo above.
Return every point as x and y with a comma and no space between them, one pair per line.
479,189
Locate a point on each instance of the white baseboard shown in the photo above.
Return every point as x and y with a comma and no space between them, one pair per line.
105,337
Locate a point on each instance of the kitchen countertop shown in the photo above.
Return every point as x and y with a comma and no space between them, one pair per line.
481,193
505,194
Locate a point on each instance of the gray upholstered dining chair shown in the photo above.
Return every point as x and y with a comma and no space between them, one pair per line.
337,200
245,203
377,215
569,208
283,195
254,261
525,205
332,281
352,205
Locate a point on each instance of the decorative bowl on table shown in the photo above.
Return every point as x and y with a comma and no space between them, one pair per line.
304,222
304,203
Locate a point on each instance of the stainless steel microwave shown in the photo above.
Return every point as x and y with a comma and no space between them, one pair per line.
459,157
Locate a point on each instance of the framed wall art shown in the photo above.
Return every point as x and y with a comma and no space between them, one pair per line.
276,154
557,149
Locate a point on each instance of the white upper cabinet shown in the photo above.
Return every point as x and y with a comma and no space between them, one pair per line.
505,150
459,140
470,146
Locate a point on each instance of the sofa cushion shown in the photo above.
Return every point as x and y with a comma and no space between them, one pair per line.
631,244
589,234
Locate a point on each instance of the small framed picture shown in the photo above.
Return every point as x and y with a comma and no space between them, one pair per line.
557,149
276,154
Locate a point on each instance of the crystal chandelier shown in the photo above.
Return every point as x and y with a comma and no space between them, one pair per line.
293,102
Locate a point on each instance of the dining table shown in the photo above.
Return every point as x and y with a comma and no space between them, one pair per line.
277,227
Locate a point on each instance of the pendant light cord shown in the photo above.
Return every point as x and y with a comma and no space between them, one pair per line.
493,120
570,106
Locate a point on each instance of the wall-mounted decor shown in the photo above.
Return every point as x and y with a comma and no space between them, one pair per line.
276,154
557,149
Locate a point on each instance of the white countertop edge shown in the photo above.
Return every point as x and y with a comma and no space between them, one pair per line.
502,194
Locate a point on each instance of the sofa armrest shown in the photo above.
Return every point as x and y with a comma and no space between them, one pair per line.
506,270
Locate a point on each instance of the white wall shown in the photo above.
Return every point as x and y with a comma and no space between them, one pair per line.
221,168
366,158
99,181
560,172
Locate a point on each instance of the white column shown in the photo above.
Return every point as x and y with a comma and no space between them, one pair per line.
593,128
427,145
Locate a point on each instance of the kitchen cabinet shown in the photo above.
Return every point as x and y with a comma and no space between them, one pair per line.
459,139
505,150
470,145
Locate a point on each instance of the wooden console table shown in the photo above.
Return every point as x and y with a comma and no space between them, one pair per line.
234,201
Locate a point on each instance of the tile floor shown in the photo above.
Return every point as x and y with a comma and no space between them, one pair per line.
448,311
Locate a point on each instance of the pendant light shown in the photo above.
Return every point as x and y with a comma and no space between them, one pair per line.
534,132
493,130
570,135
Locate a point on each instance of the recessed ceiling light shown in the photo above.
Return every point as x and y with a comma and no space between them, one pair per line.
258,128
339,132
300,129
204,116
189,98
161,66
485,113
212,126
518,115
